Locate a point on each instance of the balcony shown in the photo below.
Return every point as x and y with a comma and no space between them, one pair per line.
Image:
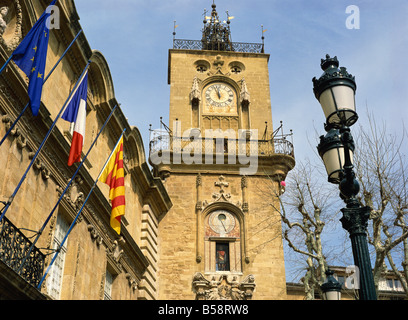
218,46
273,158
208,146
14,247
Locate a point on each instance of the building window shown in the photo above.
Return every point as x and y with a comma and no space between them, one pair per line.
236,70
108,286
201,68
55,275
393,284
222,256
398,285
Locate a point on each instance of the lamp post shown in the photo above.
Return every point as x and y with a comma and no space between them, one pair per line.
335,91
331,288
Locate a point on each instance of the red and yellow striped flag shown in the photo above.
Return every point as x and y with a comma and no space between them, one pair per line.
114,176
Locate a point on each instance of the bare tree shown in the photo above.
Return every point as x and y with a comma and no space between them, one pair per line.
381,168
310,205
304,210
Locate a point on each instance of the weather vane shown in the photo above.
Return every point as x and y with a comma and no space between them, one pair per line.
174,31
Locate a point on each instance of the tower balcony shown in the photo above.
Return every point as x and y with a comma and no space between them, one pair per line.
218,45
165,142
274,157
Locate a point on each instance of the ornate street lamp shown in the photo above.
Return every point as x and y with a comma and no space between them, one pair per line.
331,150
331,288
335,90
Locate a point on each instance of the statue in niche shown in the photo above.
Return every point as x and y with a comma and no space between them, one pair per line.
3,24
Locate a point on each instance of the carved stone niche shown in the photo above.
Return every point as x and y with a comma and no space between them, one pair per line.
226,287
11,19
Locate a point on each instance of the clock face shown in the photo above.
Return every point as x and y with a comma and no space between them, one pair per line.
219,95
221,222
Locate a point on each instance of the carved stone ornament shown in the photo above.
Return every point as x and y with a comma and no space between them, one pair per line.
132,281
21,140
199,180
3,24
221,195
245,97
195,94
7,121
73,195
41,167
22,143
218,64
227,287
116,252
95,235
11,19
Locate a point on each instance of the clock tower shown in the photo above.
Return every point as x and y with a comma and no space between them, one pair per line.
222,165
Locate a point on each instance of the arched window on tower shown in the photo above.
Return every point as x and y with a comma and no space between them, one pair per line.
222,242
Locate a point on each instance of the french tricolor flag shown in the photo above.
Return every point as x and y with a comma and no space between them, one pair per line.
75,113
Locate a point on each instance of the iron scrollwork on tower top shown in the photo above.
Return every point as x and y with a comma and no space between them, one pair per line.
216,35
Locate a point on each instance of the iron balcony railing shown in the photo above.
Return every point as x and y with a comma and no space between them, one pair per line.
218,46
165,142
14,247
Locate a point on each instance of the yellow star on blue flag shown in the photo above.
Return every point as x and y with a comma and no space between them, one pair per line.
31,56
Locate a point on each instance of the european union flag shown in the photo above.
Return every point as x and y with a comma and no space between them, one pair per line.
31,57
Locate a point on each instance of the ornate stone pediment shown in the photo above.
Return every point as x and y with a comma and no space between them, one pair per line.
227,287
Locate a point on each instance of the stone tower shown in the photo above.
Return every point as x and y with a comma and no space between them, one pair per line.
222,166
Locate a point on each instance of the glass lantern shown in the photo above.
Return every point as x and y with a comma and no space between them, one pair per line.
335,91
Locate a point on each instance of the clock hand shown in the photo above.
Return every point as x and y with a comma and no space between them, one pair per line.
218,93
223,225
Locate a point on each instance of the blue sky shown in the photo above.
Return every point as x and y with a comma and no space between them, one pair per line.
135,36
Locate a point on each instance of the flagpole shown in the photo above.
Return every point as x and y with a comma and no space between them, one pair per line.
49,74
73,41
39,233
106,163
6,63
77,216
10,200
